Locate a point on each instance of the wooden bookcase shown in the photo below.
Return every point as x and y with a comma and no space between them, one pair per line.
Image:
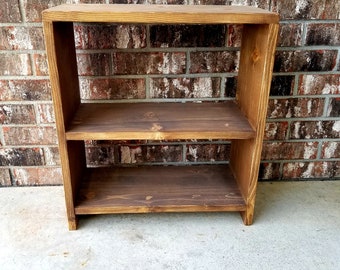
161,189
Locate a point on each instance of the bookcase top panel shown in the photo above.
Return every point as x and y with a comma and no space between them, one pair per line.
159,14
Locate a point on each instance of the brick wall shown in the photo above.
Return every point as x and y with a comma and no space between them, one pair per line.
167,63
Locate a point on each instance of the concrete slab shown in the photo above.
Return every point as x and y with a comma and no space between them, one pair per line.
297,226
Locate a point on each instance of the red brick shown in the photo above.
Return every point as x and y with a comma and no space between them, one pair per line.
21,157
149,63
51,156
112,88
93,64
269,171
330,150
315,130
5,177
305,9
99,156
212,62
29,135
162,153
234,35
187,35
89,1
185,87
170,2
337,169
290,35
109,36
15,64
130,154
276,131
17,90
33,8
17,114
282,85
40,64
256,3
289,150
295,107
21,38
306,170
291,61
37,176
333,109
323,34
10,11
45,114
319,84
208,152
230,86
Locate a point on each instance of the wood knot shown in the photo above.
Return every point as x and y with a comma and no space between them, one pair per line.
156,127
255,55
150,115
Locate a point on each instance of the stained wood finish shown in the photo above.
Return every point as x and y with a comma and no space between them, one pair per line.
165,189
159,121
256,64
188,14
59,41
159,189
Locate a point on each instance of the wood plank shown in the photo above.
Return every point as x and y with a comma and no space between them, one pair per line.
167,14
159,121
59,40
254,79
159,189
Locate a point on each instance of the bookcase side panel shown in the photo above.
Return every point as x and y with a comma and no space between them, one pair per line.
254,79
59,40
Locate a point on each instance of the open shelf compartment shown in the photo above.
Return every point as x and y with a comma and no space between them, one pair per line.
201,188
161,189
159,121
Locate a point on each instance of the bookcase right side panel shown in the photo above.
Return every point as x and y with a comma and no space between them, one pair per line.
254,79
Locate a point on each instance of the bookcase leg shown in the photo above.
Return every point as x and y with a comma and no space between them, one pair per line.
73,224
248,216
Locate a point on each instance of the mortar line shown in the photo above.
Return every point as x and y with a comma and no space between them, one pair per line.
310,21
281,170
304,34
296,85
223,86
2,139
325,108
21,24
181,75
337,62
25,102
22,11
184,153
22,51
147,88
309,48
319,150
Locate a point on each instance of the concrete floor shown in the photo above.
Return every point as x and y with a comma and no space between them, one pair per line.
297,226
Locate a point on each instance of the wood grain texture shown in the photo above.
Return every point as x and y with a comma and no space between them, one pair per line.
167,14
159,121
159,189
256,64
59,40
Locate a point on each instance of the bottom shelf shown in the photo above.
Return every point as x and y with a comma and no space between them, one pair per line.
203,188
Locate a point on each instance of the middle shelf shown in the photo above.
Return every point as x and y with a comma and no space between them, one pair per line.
159,121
